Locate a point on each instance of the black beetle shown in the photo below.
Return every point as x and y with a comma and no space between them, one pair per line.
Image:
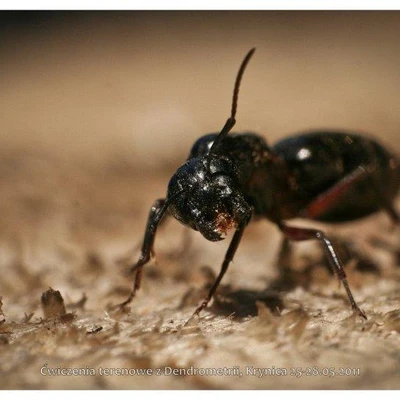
319,175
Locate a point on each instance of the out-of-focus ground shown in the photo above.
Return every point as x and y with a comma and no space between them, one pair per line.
97,111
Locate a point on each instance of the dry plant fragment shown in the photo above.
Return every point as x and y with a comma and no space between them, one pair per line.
52,303
3,317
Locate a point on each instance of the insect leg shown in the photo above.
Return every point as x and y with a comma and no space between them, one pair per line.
328,199
228,258
156,213
299,234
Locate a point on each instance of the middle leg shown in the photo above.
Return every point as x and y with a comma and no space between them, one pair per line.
300,234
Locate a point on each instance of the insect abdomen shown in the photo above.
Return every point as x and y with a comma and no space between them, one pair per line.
318,160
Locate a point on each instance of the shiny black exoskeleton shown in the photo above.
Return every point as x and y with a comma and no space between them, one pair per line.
320,175
284,181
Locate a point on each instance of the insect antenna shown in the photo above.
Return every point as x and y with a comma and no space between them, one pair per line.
229,124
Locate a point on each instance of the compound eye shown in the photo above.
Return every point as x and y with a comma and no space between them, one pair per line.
221,165
222,184
219,179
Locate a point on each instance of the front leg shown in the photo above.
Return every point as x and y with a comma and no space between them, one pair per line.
156,213
228,258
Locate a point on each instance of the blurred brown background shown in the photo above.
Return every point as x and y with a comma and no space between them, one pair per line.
89,84
98,109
